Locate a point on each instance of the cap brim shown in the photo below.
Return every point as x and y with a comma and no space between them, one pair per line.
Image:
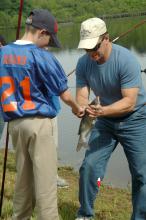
88,43
54,42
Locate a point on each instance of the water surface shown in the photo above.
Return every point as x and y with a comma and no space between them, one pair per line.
117,172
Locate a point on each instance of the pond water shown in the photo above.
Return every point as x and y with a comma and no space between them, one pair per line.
117,172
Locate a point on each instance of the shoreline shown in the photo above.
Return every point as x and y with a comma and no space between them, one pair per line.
105,16
111,203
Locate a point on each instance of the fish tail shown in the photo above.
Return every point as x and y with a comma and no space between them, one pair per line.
81,143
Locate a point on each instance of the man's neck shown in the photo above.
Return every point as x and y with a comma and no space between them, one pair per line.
106,54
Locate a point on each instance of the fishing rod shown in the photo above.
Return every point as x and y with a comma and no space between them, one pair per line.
71,72
4,170
120,36
131,29
7,133
19,19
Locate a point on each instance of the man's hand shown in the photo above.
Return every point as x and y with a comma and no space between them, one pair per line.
95,111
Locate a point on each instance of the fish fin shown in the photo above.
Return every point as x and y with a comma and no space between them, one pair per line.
81,143
81,125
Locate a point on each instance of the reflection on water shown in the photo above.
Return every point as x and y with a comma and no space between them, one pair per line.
117,171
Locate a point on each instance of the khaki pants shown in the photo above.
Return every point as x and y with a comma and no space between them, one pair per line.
36,164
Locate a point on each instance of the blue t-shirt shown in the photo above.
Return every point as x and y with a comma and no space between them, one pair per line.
120,71
31,81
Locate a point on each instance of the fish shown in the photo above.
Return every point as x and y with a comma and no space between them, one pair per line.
86,124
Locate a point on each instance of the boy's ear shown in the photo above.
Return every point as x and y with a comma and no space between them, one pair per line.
43,31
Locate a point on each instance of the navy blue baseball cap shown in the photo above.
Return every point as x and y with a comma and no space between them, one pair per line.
43,19
2,40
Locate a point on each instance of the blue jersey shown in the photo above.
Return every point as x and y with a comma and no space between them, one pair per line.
31,81
120,71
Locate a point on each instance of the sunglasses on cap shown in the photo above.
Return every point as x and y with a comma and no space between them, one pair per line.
96,47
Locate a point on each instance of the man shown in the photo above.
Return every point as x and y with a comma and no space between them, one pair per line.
113,74
31,81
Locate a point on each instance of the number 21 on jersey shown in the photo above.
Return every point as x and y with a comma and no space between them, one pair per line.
9,91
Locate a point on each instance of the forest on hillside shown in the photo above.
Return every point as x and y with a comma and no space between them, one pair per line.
68,10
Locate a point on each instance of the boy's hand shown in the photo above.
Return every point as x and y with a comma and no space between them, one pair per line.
79,112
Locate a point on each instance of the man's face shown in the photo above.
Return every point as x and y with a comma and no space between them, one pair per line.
98,52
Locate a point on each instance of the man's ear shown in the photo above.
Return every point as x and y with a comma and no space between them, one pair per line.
106,36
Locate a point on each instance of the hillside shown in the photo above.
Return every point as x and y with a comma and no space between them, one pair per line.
68,10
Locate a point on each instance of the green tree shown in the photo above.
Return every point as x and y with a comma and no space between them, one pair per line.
69,10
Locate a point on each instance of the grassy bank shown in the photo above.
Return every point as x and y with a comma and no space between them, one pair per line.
112,204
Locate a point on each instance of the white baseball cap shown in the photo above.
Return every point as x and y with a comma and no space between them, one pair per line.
91,30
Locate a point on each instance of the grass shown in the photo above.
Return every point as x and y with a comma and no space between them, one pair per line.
111,203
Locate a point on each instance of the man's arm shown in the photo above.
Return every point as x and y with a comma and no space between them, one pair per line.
119,108
123,106
82,96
